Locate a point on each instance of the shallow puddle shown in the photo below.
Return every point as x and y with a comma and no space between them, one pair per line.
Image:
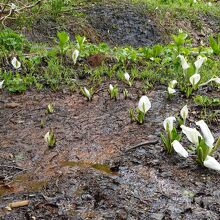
97,166
21,183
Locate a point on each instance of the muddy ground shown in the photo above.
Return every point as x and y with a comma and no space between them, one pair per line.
123,25
103,166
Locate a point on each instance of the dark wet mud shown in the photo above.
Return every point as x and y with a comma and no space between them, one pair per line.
110,23
103,166
123,25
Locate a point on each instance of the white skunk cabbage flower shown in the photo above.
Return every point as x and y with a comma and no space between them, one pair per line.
172,84
184,64
75,56
50,139
214,79
168,123
194,79
212,163
87,92
192,134
15,63
13,6
198,63
144,104
1,84
47,137
127,76
171,90
111,87
184,112
206,133
179,149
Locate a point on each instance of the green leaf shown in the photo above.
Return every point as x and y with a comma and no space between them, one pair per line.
63,37
199,155
166,143
215,44
202,151
80,41
188,91
63,40
175,135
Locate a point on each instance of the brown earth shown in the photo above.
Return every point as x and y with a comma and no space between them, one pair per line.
103,166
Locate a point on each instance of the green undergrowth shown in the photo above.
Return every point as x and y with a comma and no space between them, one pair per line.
171,15
186,7
43,66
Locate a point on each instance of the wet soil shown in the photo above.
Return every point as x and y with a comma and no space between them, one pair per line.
103,166
136,25
123,24
102,22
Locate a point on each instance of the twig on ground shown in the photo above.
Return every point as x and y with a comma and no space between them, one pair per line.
142,144
5,14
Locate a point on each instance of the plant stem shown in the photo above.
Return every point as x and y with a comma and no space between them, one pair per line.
217,145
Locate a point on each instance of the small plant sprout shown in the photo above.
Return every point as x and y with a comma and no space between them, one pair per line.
184,63
113,91
15,63
127,78
132,115
50,109
50,139
1,84
171,134
87,93
177,146
80,41
194,80
63,41
75,56
184,113
42,123
198,63
125,93
144,105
